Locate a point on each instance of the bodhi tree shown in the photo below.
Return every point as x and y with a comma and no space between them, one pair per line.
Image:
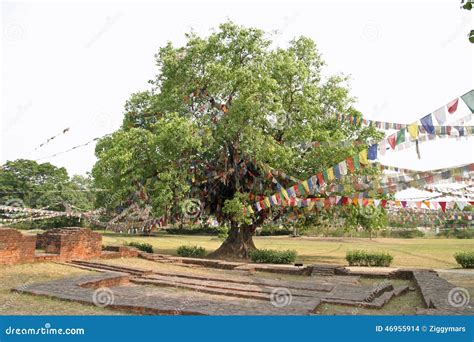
228,119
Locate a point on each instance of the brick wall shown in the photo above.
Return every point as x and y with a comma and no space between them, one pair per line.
71,243
15,247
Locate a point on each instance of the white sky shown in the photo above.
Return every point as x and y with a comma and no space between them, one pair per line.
75,65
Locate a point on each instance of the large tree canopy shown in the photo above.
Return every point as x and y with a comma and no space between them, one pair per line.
26,183
223,109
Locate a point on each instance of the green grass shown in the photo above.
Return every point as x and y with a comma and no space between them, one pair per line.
421,252
12,303
403,305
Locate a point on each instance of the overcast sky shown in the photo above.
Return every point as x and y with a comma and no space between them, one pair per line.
75,64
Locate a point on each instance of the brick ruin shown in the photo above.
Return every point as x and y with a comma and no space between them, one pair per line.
71,243
15,247
58,244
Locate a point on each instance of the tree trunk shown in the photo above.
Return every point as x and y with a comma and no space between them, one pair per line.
238,243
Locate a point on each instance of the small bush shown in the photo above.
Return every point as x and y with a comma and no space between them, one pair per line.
191,251
465,259
143,246
363,258
457,233
406,233
270,256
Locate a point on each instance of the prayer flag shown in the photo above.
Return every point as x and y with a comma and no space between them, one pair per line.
350,164
372,155
330,174
355,159
427,123
392,140
452,106
468,99
400,136
337,172
363,157
343,168
440,115
413,130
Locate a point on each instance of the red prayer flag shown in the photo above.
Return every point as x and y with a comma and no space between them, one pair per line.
383,203
452,106
350,164
392,140
443,206
320,179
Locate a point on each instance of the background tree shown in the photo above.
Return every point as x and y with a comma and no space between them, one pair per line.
25,183
369,218
222,109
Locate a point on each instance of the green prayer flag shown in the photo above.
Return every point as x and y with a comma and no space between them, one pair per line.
400,136
355,158
301,189
468,99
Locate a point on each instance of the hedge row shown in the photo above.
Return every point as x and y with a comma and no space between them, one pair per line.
363,258
191,251
143,246
465,259
270,256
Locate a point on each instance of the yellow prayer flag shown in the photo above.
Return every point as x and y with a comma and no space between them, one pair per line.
413,130
363,157
306,186
267,202
285,194
330,172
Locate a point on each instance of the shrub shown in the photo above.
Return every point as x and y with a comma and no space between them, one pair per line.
457,233
406,233
191,251
363,258
270,256
465,259
273,231
197,230
143,246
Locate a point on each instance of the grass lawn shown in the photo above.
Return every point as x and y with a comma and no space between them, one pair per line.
12,303
421,252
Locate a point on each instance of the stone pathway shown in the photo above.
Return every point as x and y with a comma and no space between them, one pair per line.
440,294
148,292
